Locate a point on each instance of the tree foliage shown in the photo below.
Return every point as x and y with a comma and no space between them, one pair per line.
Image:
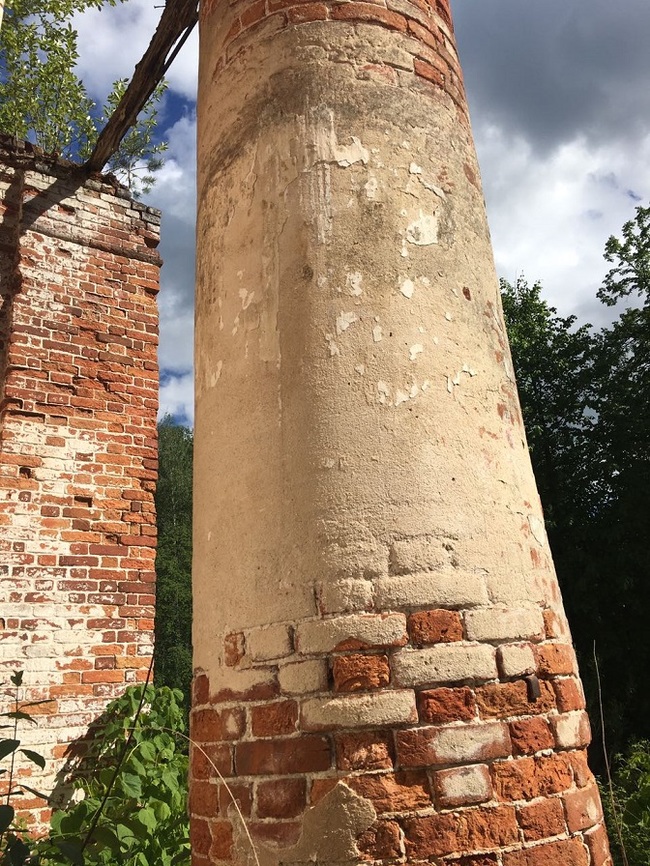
42,99
173,649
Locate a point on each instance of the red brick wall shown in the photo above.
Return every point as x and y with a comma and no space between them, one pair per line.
79,379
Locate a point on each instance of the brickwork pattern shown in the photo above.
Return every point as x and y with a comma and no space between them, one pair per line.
424,30
79,375
465,726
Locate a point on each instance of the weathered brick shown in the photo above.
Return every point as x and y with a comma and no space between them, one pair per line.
555,659
530,736
364,750
570,852
362,631
382,841
440,706
502,700
499,624
275,719
572,730
462,786
472,830
358,672
516,660
598,846
390,707
582,807
431,589
435,626
541,819
444,664
303,677
462,744
305,754
281,798
569,694
394,792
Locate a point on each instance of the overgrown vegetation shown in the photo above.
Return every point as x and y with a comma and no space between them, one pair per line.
173,647
129,799
43,100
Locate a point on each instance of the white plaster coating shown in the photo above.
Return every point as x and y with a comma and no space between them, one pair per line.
444,663
359,711
516,660
435,589
462,786
502,624
321,636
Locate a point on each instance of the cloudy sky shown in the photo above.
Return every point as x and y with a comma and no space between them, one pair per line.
560,99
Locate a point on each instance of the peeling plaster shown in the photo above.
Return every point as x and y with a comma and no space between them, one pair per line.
344,320
377,334
415,350
423,231
407,288
354,281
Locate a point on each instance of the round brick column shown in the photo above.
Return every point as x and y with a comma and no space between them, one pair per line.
383,667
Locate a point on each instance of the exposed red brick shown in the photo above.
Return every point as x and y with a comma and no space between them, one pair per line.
281,798
568,695
552,624
555,659
474,829
221,847
435,626
353,11
502,700
307,12
394,792
541,820
359,672
598,846
527,778
583,809
240,792
213,726
274,720
309,753
440,706
581,772
366,750
530,736
382,841
569,852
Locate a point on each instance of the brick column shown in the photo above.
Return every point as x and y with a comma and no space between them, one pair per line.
384,669
79,377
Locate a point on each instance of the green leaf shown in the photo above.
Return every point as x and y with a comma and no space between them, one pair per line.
131,785
6,817
147,818
71,850
7,747
34,757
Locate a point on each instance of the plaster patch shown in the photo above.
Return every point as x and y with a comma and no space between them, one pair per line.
371,187
414,168
384,392
246,298
328,150
360,369
344,320
334,349
407,288
354,281
377,334
415,350
423,231
214,377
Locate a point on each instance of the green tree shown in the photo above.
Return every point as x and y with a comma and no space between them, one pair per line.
43,101
173,647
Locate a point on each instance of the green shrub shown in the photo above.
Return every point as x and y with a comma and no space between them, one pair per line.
628,819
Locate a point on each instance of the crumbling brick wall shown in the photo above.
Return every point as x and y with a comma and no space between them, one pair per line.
79,384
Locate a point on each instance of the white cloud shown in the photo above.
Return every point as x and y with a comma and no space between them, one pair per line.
177,398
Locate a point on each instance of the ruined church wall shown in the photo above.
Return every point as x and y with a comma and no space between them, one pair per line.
79,275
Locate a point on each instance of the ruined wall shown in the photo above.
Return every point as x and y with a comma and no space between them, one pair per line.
384,668
79,377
